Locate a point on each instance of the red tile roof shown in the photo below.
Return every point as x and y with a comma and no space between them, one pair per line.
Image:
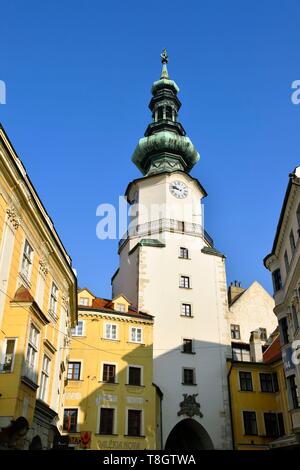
107,306
273,353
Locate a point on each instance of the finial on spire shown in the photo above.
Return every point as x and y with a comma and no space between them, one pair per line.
164,60
164,56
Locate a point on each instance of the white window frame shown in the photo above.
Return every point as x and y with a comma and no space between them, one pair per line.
194,376
53,303
142,420
26,274
3,355
76,329
121,307
85,303
109,363
142,374
106,324
45,374
131,328
81,369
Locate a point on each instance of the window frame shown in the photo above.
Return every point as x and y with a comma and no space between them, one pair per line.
191,343
277,280
69,431
110,364
74,361
135,366
136,328
190,369
244,422
183,253
234,328
114,418
4,354
76,329
110,324
141,424
26,273
45,379
184,278
246,381
183,310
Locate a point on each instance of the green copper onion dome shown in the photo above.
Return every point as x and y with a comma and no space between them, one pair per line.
165,146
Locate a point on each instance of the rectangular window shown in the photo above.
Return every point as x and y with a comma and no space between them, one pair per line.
184,253
284,330
187,346
240,354
120,307
136,335
292,242
277,282
107,421
186,310
189,376
27,260
134,422
53,299
184,282
78,330
235,332
246,381
9,354
286,262
109,373
110,331
250,425
74,370
135,376
32,353
293,392
266,382
271,424
70,420
84,301
44,378
263,334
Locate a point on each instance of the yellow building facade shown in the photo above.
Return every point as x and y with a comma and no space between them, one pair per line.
38,304
111,402
258,401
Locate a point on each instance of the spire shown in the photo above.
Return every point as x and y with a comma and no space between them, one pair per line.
164,61
165,146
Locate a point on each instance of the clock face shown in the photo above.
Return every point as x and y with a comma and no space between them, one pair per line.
178,189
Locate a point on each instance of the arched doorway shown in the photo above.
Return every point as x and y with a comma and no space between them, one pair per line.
188,434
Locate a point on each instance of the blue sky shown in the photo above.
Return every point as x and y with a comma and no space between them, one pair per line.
78,77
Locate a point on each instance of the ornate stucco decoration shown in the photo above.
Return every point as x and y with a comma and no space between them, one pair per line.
43,266
13,217
189,406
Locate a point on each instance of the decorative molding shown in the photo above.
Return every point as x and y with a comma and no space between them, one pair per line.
189,406
13,217
43,266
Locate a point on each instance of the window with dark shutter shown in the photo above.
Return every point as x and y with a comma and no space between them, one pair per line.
134,422
134,375
106,421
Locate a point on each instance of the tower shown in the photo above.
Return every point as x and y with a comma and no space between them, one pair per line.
170,268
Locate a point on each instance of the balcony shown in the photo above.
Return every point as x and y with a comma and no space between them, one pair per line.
168,225
29,376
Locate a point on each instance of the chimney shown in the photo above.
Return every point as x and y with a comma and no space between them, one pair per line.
234,291
256,353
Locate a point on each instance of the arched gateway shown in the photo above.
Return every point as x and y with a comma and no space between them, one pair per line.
188,434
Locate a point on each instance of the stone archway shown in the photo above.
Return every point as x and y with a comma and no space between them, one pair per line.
188,434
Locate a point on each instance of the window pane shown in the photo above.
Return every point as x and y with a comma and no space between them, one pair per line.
106,420
134,422
250,425
134,375
70,420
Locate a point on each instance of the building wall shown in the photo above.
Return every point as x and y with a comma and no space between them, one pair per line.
252,310
22,217
90,393
157,285
258,401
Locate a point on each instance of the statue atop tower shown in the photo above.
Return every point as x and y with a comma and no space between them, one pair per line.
165,147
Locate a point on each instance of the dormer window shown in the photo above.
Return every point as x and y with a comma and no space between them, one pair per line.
120,307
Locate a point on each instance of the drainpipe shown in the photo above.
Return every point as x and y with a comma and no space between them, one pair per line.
230,405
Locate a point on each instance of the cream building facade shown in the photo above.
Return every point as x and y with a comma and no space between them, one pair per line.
284,264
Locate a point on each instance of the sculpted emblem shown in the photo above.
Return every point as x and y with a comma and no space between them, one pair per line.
189,406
